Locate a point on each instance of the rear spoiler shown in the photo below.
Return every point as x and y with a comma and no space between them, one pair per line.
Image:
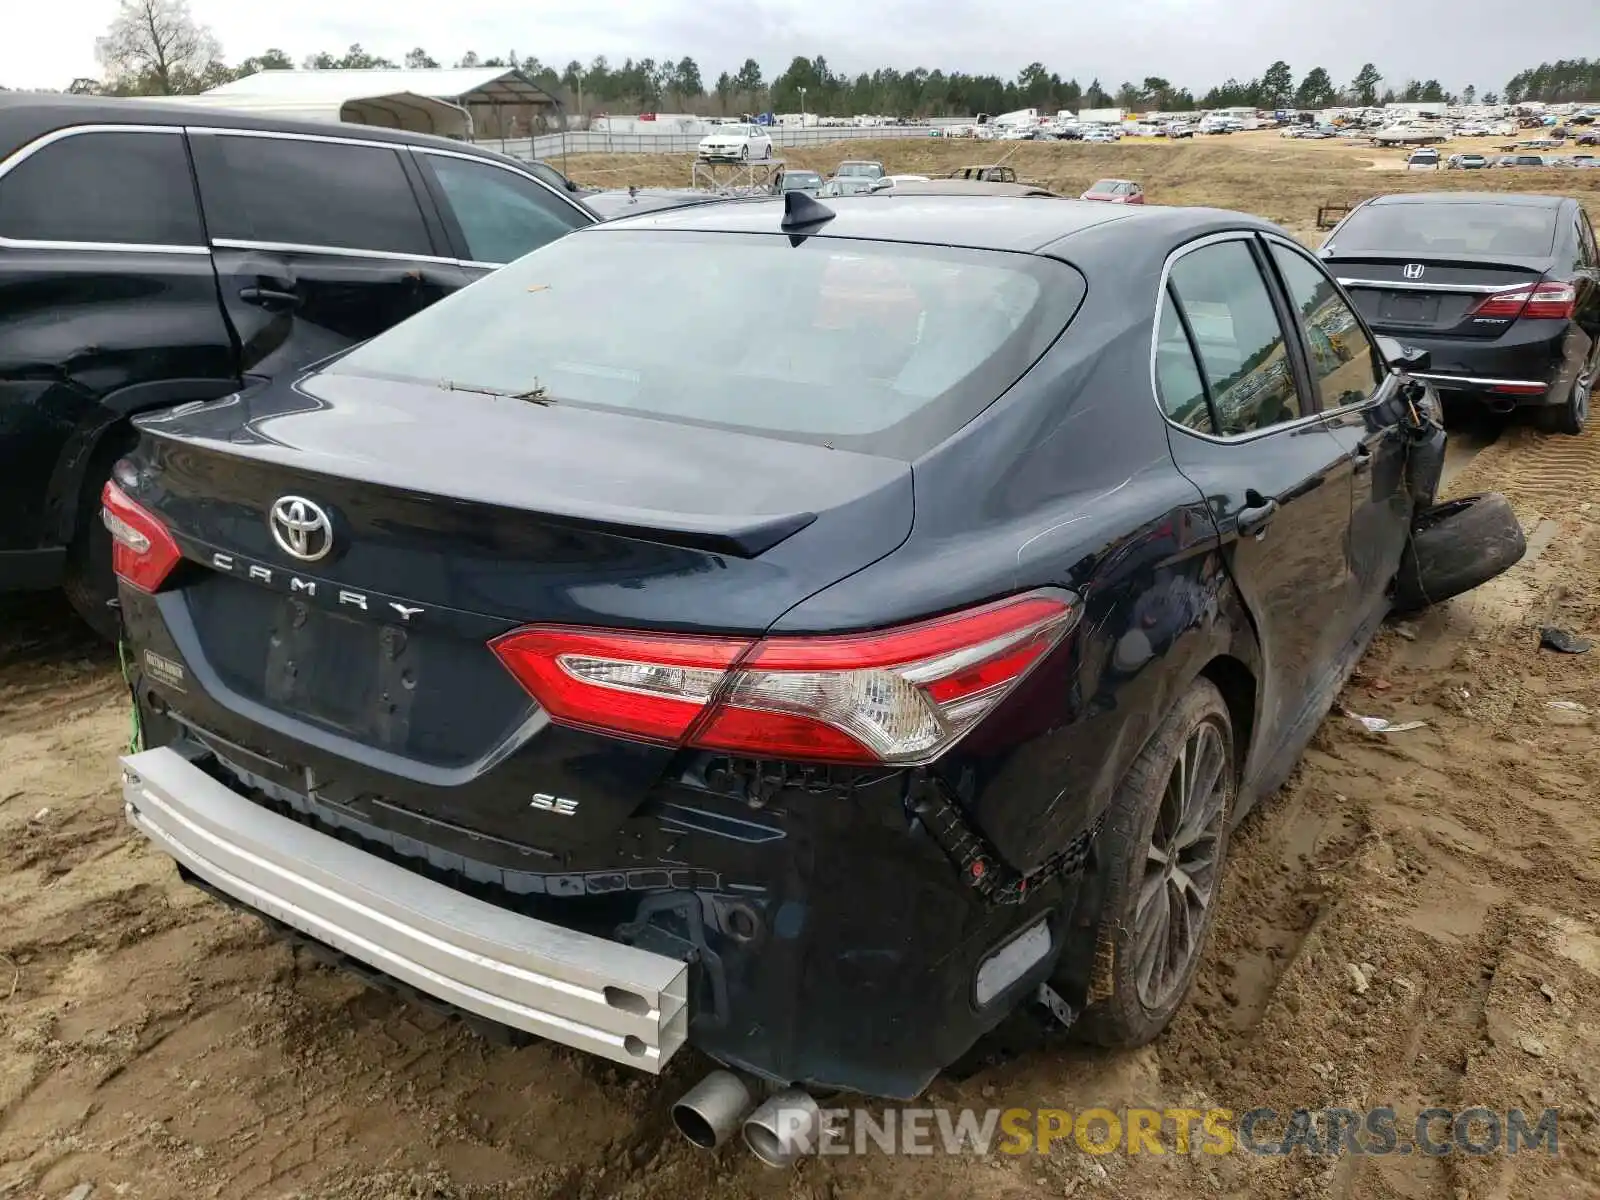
1510,262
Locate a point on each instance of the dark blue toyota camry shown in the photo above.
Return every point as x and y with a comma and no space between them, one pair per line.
808,631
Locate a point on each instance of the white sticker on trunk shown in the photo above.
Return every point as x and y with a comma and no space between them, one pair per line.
164,671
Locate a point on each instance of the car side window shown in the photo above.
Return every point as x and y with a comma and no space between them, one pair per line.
110,188
1344,362
332,194
1243,355
1181,390
502,215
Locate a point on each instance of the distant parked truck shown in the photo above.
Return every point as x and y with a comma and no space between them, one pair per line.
1102,116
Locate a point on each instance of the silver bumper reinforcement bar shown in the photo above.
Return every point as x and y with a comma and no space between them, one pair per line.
617,1001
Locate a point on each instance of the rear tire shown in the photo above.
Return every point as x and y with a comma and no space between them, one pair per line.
89,582
1571,416
1454,547
1162,850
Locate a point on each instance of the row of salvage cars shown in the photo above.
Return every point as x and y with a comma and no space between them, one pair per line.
622,695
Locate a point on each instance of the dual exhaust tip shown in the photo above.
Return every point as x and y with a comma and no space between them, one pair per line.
777,1131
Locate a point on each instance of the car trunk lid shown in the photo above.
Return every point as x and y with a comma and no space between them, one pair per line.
455,517
1402,294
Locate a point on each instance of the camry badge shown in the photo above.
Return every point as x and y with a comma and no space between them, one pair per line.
301,528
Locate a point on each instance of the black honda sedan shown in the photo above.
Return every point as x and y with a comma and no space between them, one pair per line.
1502,290
873,624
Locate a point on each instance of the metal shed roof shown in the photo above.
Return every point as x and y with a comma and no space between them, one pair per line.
427,101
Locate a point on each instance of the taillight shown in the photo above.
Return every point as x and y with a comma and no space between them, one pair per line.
642,685
1507,304
1545,301
900,696
1552,301
142,551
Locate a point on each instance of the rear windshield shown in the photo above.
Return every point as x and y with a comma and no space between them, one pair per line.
882,347
1515,229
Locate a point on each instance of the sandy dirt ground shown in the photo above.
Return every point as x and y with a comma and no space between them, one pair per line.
154,1044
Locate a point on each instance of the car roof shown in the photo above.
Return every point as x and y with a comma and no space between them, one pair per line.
25,116
1509,199
982,222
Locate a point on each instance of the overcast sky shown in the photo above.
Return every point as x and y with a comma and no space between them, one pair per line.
1193,43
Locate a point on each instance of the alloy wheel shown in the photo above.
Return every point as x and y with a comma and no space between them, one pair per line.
1180,875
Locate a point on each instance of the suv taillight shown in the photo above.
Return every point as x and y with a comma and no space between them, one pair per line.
142,551
899,696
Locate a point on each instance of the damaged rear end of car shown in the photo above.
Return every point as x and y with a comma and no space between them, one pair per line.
464,655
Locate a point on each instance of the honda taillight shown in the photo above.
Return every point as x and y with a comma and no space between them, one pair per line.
1548,300
899,696
1552,301
1507,304
142,551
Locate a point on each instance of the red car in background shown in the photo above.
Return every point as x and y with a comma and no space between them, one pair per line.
1115,191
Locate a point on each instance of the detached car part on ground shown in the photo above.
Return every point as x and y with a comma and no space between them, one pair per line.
152,256
629,699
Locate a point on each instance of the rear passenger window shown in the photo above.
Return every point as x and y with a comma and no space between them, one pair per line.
1183,393
323,194
1237,335
1344,363
130,189
502,215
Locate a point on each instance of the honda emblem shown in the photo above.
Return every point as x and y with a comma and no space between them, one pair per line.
1413,271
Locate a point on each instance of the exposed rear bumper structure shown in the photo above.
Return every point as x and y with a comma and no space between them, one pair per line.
620,1002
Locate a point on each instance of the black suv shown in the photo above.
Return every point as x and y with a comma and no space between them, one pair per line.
154,255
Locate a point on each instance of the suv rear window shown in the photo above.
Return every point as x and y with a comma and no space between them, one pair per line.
882,347
1516,229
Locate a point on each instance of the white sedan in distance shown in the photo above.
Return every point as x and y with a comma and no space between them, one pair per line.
740,142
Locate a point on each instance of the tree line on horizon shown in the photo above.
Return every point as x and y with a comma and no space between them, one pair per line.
155,47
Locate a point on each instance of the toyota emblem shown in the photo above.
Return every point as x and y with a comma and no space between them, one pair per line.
301,528
1413,271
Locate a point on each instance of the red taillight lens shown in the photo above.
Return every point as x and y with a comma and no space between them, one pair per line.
1552,301
900,696
1544,301
142,551
643,685
1507,304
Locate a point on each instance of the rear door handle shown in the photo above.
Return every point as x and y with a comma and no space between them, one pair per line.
1254,519
269,297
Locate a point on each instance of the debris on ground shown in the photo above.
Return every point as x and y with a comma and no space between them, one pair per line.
1382,724
1553,638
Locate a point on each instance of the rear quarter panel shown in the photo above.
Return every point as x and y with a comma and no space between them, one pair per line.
1067,481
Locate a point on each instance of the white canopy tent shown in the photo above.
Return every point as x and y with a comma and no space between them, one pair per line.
462,102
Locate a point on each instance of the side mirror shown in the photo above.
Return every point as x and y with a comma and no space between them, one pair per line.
1408,360
882,185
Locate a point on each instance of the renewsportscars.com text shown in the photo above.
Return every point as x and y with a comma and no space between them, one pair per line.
1182,1131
